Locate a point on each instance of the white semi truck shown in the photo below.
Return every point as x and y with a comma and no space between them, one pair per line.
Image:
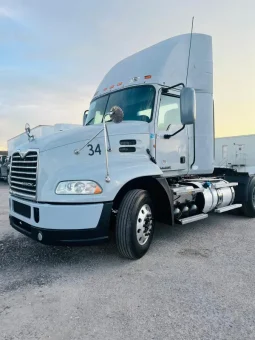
144,154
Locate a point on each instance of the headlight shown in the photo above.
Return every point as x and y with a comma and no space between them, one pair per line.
78,188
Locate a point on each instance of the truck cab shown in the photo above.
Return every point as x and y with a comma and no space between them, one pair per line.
144,153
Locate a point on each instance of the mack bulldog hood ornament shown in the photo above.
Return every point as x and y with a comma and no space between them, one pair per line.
28,132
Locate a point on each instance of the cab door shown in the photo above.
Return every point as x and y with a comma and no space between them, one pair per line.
171,147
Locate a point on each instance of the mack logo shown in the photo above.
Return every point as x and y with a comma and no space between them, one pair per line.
29,184
22,154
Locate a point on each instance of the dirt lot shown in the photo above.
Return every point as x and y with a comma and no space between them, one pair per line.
196,282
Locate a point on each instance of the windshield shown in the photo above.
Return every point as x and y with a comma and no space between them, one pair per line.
136,103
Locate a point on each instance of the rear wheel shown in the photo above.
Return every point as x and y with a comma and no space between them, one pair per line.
135,224
249,206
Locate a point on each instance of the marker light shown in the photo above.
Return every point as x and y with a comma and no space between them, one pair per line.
78,188
119,84
147,77
134,79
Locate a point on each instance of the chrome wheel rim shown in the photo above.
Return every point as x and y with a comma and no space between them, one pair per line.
144,224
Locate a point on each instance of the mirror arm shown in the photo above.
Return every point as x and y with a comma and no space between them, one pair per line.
78,151
108,138
166,89
169,136
116,115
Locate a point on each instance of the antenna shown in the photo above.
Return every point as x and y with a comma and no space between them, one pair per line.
189,49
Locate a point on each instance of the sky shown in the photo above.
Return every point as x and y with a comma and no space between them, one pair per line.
53,54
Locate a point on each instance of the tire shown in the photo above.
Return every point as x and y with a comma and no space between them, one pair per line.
249,206
134,212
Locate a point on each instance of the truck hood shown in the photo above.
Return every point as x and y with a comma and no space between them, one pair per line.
83,134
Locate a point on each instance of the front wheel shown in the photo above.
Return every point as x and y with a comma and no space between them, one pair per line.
135,224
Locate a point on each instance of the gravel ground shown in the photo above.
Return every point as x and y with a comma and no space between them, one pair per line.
196,282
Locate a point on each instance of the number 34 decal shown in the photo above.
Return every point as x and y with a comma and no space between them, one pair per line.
93,151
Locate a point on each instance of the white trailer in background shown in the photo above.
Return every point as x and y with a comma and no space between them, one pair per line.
237,152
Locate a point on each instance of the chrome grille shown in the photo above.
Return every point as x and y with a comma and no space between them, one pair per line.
23,174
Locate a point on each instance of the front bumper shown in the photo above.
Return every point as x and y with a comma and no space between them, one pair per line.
61,223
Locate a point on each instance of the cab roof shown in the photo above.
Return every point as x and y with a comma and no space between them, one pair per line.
165,63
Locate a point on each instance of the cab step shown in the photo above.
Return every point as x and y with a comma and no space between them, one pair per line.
186,190
191,219
225,185
228,208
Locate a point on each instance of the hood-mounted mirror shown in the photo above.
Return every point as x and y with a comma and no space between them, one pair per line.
116,114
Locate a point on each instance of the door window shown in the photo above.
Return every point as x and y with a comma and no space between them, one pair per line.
169,112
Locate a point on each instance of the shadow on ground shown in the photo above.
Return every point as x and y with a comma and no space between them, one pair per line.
39,264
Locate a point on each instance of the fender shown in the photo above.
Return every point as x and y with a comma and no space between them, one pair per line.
122,170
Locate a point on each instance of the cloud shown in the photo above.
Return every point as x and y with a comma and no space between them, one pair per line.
41,105
6,12
53,54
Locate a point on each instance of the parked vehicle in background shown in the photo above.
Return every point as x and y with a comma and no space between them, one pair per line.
237,152
3,167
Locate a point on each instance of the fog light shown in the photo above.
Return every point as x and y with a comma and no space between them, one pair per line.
39,236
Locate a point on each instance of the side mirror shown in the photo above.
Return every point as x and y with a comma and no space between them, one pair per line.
188,106
85,114
116,114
